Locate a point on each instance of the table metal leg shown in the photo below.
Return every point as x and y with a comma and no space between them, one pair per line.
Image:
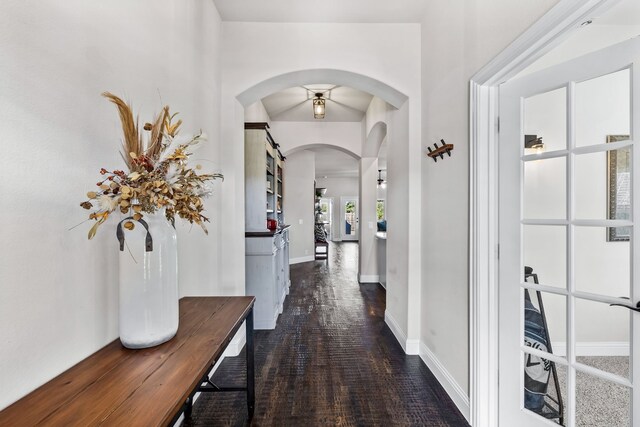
188,410
251,396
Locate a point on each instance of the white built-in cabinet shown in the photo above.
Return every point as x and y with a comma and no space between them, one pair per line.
266,251
264,183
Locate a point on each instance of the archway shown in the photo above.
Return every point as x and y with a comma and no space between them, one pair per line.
364,83
376,135
404,241
334,147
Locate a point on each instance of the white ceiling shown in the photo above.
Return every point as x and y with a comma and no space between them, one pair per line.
343,104
626,12
334,163
620,22
360,11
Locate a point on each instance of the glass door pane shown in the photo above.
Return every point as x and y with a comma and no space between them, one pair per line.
568,228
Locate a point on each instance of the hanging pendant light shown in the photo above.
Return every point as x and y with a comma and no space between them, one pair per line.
381,182
318,106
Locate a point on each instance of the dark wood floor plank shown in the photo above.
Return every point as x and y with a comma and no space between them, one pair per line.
331,361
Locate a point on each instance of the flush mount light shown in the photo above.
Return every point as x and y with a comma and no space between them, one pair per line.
318,106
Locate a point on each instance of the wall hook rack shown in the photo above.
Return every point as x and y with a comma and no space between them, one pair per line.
439,151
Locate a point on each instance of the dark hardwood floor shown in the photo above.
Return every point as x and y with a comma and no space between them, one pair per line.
331,361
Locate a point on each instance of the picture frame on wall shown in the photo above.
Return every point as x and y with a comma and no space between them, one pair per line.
618,189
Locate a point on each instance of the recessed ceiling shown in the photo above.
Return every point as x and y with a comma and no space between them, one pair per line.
343,104
356,11
334,163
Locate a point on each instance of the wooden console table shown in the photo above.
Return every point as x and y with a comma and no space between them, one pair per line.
150,387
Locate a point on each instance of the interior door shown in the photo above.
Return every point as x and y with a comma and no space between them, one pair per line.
569,248
350,221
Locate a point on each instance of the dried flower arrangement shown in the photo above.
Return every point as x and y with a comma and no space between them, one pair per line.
159,176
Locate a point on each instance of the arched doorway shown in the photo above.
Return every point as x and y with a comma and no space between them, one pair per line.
403,130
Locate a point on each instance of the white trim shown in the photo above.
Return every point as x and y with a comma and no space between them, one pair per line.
446,380
608,348
408,346
397,331
282,298
362,278
541,37
298,260
545,34
413,347
268,324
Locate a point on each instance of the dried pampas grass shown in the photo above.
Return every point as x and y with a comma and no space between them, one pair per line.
133,145
132,141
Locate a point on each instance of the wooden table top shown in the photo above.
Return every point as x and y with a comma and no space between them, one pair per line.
118,386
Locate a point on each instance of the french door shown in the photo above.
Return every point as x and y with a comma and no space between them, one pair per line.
350,220
569,270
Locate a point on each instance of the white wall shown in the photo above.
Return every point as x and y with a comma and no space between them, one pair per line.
59,293
601,267
367,255
376,112
457,39
371,50
299,199
294,136
338,187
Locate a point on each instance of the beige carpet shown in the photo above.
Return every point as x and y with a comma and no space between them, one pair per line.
599,403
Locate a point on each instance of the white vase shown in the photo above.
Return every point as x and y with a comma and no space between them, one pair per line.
148,282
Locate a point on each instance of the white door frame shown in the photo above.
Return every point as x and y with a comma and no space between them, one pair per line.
541,37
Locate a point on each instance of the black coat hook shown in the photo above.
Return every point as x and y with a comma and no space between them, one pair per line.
440,151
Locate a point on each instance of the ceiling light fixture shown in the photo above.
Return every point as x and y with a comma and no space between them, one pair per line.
381,182
533,141
318,106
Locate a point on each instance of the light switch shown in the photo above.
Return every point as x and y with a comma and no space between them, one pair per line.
371,225
300,221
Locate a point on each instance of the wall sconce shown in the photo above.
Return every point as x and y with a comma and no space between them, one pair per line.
533,141
381,182
318,106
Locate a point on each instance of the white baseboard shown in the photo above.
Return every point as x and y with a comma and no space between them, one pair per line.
266,324
362,278
409,346
301,259
446,380
397,331
413,347
282,298
606,348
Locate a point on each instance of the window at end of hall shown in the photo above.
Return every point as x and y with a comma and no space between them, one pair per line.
380,209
